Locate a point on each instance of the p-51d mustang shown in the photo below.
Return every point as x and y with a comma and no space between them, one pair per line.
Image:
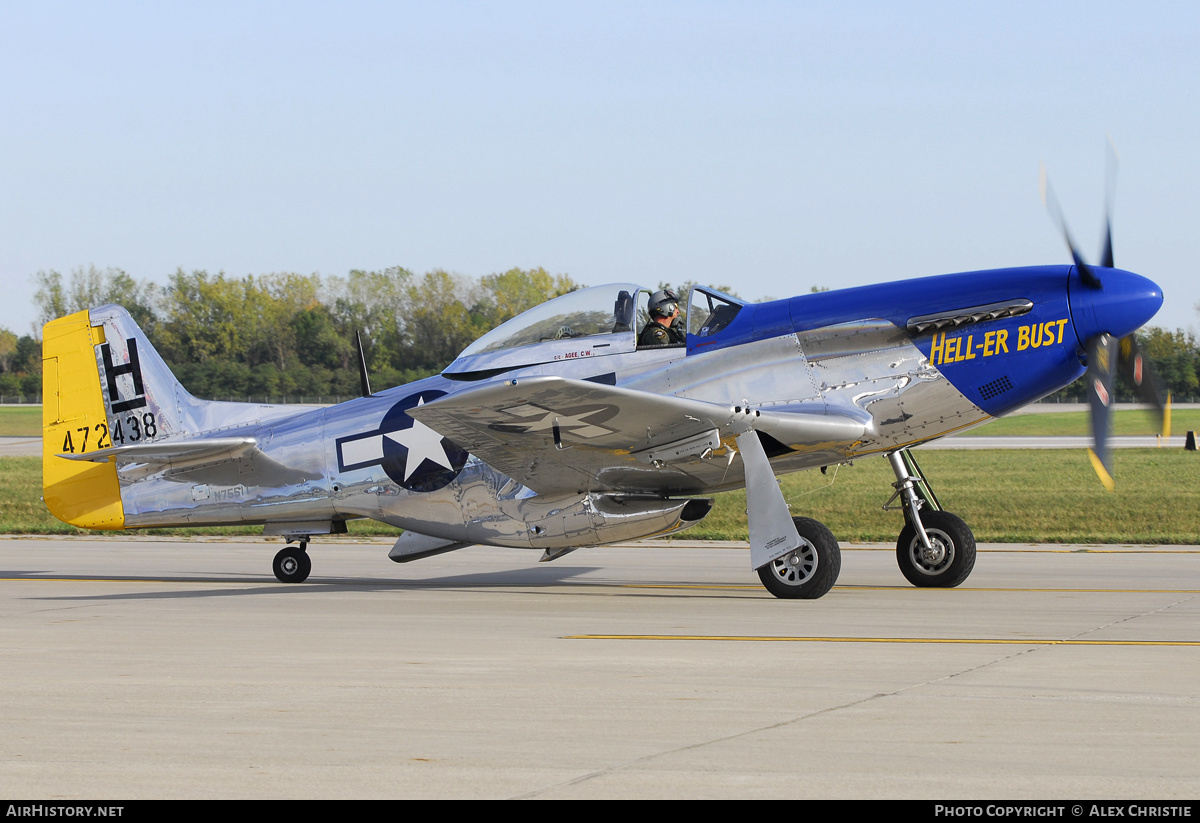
556,430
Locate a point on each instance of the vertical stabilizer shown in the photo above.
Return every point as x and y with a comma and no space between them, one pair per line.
103,385
143,398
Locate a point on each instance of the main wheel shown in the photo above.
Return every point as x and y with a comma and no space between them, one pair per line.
948,561
292,565
811,570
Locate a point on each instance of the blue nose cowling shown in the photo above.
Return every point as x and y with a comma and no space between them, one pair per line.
1125,302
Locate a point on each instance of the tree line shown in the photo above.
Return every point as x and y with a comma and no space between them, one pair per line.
1175,356
292,335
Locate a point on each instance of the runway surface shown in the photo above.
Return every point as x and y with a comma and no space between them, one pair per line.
20,446
166,669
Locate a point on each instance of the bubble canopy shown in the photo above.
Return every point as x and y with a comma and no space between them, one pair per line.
584,323
585,313
594,322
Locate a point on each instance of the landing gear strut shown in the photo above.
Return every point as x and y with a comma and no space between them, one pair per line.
935,548
292,564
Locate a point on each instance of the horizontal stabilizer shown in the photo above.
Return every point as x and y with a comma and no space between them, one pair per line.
170,453
214,460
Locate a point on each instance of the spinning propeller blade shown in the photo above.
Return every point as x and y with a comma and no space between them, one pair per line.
1105,352
1101,373
1051,203
1146,383
1110,186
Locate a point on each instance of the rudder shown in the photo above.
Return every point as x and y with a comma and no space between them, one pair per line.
74,419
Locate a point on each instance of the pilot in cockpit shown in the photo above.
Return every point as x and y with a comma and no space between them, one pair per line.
665,327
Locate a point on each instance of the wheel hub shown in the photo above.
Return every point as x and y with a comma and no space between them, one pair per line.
290,565
937,557
934,554
797,567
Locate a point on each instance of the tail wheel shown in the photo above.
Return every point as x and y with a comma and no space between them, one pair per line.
948,561
292,565
811,570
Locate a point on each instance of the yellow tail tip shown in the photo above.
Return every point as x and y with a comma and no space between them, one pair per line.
74,417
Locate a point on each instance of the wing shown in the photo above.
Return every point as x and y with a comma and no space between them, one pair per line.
554,434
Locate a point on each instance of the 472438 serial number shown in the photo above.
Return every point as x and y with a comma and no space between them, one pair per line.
132,428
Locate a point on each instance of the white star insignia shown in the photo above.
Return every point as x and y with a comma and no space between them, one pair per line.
423,443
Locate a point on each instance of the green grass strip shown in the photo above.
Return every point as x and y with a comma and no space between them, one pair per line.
20,421
1007,496
26,421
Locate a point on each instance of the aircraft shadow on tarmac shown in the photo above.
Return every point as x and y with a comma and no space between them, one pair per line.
533,577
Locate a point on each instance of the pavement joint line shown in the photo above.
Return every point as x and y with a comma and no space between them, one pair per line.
914,640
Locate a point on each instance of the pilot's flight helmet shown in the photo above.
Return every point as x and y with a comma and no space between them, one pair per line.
663,303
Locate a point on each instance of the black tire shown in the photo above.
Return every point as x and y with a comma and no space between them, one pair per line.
953,555
811,570
292,565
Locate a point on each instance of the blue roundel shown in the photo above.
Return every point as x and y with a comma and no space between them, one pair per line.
414,455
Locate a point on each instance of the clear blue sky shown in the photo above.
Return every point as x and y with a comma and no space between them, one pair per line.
766,146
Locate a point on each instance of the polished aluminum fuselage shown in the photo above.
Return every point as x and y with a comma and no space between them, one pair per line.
826,378
869,368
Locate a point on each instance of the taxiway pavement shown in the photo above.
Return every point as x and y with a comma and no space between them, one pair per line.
21,446
155,668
